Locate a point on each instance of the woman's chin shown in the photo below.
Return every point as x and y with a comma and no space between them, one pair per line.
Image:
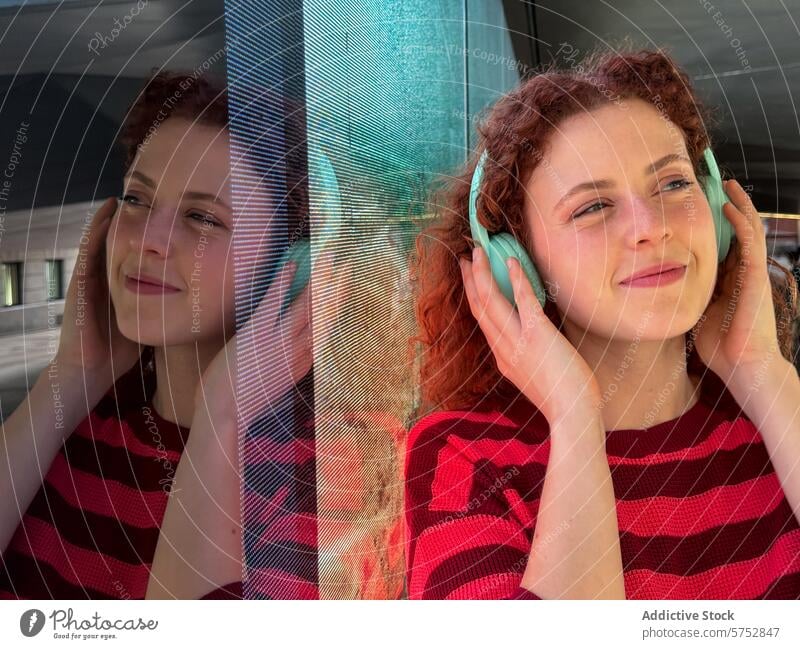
660,327
157,336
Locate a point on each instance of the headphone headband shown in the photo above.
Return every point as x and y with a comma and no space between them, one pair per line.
479,232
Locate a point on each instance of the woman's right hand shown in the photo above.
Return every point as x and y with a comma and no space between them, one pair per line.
91,344
529,350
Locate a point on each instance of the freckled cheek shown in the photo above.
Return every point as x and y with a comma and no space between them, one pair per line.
115,250
122,231
586,260
209,269
228,282
700,238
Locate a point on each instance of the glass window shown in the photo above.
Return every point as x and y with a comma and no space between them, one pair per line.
53,274
387,98
12,283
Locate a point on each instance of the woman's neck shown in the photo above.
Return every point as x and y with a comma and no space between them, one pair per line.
642,383
178,372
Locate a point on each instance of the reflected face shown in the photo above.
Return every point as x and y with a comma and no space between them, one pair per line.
614,196
169,247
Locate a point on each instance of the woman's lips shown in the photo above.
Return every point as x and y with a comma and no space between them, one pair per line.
667,277
147,287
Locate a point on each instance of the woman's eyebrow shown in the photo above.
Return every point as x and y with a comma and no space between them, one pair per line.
665,160
144,179
192,196
606,184
592,184
211,198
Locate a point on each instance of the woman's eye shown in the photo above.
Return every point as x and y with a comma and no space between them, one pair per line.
130,199
594,207
203,219
681,183
673,185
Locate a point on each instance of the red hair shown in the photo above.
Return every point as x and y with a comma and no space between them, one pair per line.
457,368
204,99
172,94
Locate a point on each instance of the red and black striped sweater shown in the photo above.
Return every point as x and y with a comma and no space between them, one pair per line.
700,509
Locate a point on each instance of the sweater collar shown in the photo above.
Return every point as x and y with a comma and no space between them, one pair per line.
684,431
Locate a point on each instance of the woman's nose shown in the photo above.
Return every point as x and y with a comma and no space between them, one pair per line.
648,221
156,233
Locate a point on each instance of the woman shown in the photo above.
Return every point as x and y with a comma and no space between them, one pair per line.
141,497
584,449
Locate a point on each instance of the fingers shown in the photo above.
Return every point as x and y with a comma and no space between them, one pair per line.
328,302
741,200
331,290
299,317
325,270
91,247
88,282
96,241
278,289
489,329
262,321
302,353
290,345
282,289
531,313
750,231
490,299
104,212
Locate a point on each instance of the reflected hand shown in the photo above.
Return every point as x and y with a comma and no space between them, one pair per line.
91,342
270,353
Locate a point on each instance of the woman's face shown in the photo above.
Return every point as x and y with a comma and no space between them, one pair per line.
615,194
168,250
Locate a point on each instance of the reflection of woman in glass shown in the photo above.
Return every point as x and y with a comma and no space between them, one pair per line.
577,451
108,510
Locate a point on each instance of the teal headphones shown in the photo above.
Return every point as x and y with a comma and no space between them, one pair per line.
503,246
325,201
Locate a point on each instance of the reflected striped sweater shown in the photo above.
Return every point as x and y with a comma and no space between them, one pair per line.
91,530
700,509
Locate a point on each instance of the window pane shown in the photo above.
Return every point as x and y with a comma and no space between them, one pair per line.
12,287
385,85
53,279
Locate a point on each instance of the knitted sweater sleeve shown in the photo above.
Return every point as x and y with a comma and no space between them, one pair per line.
463,539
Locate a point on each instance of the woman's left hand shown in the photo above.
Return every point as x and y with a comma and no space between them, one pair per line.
738,331
272,352
200,545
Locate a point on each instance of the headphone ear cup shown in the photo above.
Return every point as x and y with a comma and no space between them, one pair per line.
299,253
504,246
716,196
500,247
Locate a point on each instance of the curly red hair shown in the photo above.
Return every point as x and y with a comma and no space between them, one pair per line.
457,367
204,99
